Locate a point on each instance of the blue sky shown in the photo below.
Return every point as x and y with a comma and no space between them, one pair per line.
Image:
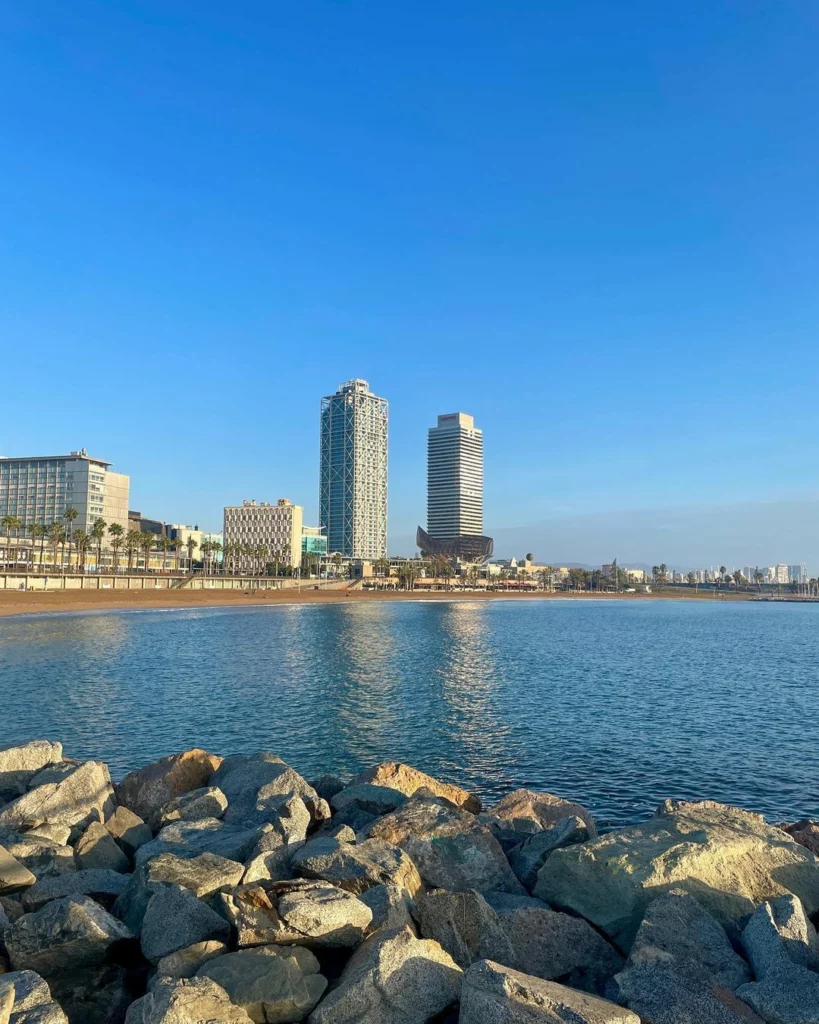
592,225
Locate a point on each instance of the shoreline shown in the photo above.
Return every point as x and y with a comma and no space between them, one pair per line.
38,602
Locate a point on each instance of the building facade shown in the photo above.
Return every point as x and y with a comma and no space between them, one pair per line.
353,471
313,541
276,528
39,490
455,490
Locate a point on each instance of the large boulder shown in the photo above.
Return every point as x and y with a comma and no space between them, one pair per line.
465,926
390,906
175,919
83,795
128,830
19,764
285,913
527,858
779,933
64,935
555,946
728,859
356,867
13,875
192,838
494,994
145,792
788,994
253,784
202,875
27,998
805,832
393,978
271,983
208,802
367,797
448,846
101,885
271,860
93,995
527,811
185,963
407,780
186,1001
43,857
664,993
97,848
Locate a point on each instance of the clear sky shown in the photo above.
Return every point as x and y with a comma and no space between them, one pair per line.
593,225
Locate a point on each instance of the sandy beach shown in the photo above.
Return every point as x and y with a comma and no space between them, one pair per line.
16,602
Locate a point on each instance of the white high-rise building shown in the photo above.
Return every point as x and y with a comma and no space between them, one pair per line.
272,532
353,471
455,477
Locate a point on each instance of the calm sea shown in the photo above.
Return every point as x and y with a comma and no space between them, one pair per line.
617,705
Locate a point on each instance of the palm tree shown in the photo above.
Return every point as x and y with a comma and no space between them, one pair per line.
133,540
191,544
147,542
262,551
163,543
116,531
98,532
545,575
10,524
758,577
37,530
722,571
70,515
216,548
277,557
82,542
206,548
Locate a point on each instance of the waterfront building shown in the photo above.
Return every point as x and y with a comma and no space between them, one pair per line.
182,533
277,528
353,471
143,524
781,574
313,541
39,489
798,573
455,491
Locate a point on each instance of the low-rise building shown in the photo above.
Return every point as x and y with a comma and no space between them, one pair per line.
276,528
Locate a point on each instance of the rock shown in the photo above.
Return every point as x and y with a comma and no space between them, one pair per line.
283,913
13,876
393,978
804,832
208,802
64,935
523,807
11,907
19,764
529,857
390,908
729,860
408,781
145,792
662,992
202,875
493,994
93,995
357,867
448,846
85,794
192,838
555,946
45,858
677,930
59,834
328,785
184,963
54,773
251,783
375,800
465,926
271,983
50,1013
787,994
356,820
96,848
777,934
30,990
343,833
176,919
101,885
186,1001
6,1004
129,831
273,864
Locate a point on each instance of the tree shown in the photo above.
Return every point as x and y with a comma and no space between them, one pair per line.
56,534
262,551
545,576
206,548
191,544
82,542
216,548
116,531
11,524
133,540
147,542
70,515
722,571
98,532
164,543
37,530
336,562
690,579
758,577
737,578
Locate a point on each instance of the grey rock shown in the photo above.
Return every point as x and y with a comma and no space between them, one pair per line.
448,846
147,791
555,946
176,919
357,867
49,1013
208,802
494,994
45,858
13,875
93,995
250,783
6,1004
96,848
30,990
343,833
375,800
184,963
202,875
19,764
662,992
778,933
54,773
328,785
528,858
101,885
465,926
787,994
186,1001
271,983
284,913
60,834
271,863
393,978
192,838
85,794
523,807
389,906
12,907
64,935
129,831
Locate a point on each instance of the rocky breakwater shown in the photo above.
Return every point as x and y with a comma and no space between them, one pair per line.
225,891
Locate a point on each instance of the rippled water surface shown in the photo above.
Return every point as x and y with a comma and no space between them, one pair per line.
615,704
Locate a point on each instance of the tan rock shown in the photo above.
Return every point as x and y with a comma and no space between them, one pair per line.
407,780
145,792
524,806
82,796
13,876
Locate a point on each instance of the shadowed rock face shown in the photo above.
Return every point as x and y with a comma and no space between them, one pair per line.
147,791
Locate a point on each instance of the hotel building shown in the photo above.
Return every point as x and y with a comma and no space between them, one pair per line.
277,527
353,471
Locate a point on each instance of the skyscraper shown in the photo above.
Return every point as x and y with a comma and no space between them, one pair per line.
353,471
455,490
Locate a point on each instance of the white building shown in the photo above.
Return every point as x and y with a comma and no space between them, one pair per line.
180,532
353,471
455,477
39,490
275,528
780,574
798,573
